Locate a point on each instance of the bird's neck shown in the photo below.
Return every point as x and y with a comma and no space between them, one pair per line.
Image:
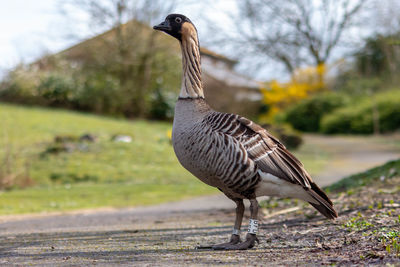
192,86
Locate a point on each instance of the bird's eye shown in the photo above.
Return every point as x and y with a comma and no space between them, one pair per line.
178,20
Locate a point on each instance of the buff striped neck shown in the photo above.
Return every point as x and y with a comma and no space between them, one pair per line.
192,86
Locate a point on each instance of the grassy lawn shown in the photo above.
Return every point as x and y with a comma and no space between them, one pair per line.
28,132
104,173
86,195
100,174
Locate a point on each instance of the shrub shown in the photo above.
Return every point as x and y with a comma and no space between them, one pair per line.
20,85
307,114
303,83
357,116
99,93
162,105
56,89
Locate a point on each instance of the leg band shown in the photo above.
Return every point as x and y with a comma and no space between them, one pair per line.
235,232
253,227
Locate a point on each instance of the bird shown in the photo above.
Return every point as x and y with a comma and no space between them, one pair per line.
231,152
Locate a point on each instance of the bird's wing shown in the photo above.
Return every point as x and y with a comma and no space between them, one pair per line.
271,156
267,152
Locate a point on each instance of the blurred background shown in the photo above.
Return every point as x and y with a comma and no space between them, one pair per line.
87,92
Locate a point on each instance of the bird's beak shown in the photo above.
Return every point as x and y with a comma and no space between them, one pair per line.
163,26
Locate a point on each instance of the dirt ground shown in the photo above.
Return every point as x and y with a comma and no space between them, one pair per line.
290,234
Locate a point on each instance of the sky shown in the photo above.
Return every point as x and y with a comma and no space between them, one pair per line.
28,29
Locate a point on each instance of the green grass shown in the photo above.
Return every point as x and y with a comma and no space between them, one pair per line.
88,196
386,171
149,157
142,172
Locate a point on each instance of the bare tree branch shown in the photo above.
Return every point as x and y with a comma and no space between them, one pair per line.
295,32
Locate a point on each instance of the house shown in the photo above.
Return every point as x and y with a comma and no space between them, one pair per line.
225,89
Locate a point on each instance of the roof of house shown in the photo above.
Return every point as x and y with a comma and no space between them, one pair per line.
228,75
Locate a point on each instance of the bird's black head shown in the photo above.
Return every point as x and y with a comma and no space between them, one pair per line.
173,25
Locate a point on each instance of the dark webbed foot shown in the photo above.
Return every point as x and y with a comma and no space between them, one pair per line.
251,240
234,243
235,239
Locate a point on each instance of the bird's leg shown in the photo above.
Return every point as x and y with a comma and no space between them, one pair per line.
235,237
251,237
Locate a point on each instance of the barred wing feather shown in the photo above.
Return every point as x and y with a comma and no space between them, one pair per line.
266,151
271,156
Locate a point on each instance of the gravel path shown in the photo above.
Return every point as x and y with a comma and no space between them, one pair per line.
167,234
351,155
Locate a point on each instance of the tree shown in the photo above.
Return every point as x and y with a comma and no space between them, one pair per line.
294,33
380,56
130,51
376,68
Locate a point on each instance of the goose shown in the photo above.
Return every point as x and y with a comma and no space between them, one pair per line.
230,152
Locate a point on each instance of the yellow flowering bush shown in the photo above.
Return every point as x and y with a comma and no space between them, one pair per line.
303,83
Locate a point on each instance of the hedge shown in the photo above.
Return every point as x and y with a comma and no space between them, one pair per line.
357,118
306,115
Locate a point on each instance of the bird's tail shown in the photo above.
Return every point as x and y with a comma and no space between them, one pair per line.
324,205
